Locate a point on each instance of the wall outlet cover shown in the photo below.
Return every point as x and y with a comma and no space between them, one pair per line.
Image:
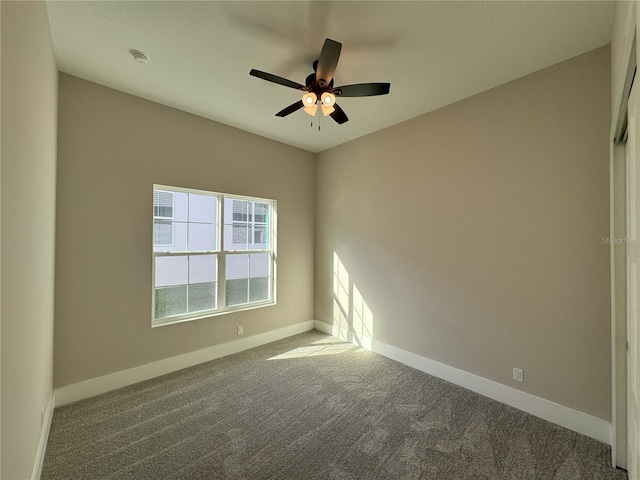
518,374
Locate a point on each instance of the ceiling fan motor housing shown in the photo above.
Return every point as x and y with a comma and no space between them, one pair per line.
315,86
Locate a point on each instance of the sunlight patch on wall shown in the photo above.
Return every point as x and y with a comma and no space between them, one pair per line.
340,283
352,317
361,315
340,320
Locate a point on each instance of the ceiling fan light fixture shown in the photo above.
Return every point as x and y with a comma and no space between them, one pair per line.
327,110
328,100
309,100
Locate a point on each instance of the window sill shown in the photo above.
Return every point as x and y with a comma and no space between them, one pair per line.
172,321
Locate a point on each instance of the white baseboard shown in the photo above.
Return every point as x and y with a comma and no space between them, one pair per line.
44,437
566,417
96,386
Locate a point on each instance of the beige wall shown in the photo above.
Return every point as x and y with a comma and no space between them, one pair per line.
29,106
474,233
112,148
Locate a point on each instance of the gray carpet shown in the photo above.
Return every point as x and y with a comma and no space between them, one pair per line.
310,407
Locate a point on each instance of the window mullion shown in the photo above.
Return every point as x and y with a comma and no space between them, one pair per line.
248,230
222,281
187,221
188,254
221,287
249,278
188,282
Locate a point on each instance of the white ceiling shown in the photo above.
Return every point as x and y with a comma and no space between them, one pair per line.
433,53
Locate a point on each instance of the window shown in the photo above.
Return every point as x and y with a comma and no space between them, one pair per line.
213,253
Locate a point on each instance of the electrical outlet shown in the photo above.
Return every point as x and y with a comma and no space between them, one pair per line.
240,329
518,374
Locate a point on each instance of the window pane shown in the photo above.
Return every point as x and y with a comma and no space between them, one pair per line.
261,212
258,289
236,236
259,265
240,209
237,266
259,281
235,210
203,268
237,291
162,232
176,230
202,236
162,203
237,284
180,206
202,296
171,301
171,271
259,235
163,212
203,208
240,236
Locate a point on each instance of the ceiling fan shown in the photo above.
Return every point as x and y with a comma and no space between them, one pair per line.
319,86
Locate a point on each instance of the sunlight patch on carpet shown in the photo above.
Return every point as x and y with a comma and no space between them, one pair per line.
316,350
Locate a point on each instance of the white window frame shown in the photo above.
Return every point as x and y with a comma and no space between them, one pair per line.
221,253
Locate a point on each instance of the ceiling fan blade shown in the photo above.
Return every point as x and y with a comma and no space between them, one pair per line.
276,79
290,109
362,90
328,60
338,115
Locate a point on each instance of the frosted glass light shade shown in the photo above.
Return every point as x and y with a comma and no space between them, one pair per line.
309,100
328,100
